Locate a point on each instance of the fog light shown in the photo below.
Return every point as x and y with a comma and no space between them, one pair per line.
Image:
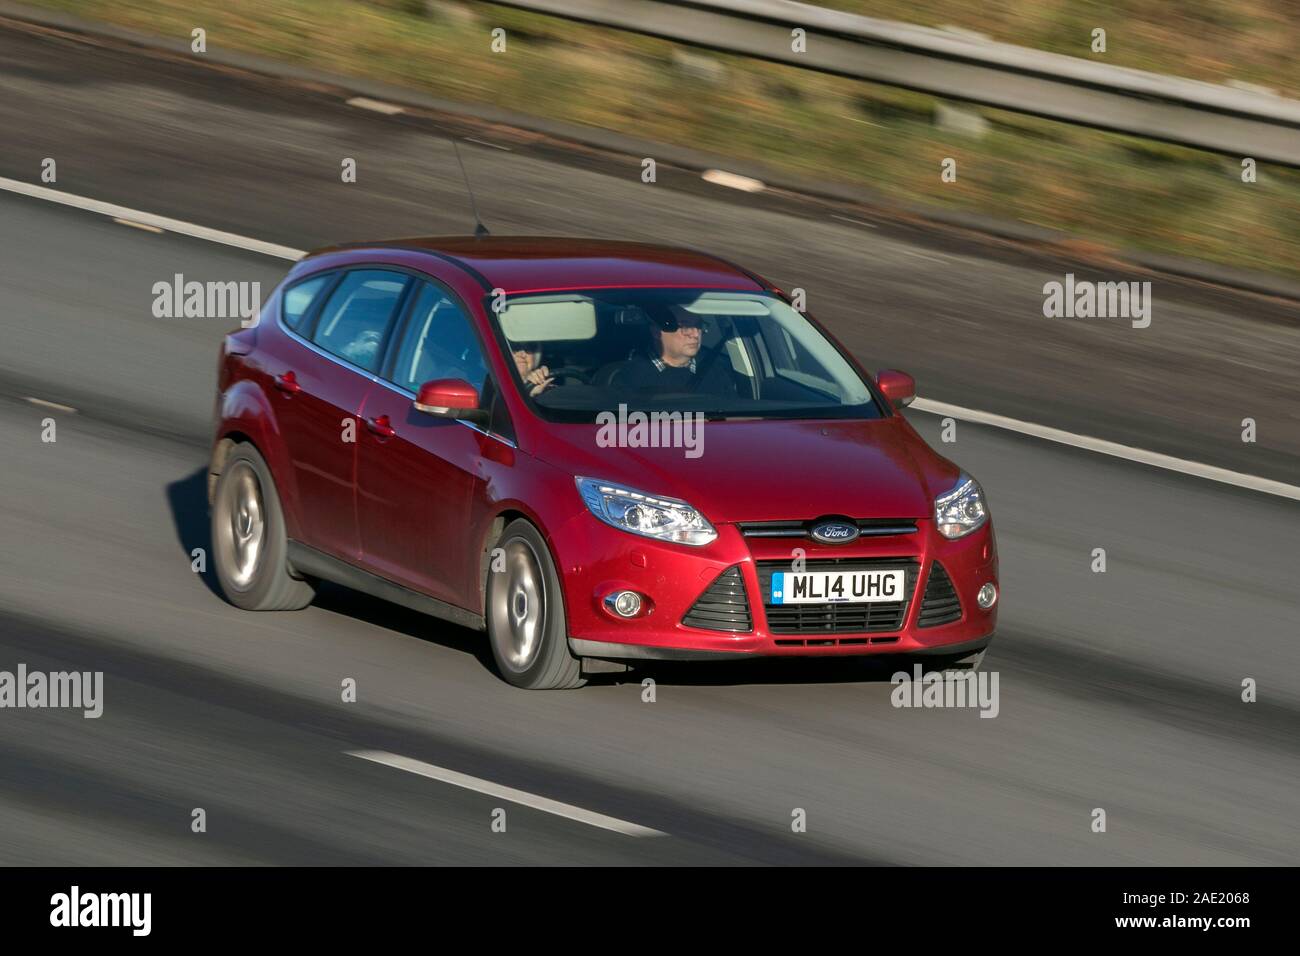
987,596
624,603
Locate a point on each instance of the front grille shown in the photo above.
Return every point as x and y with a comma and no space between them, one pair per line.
724,606
940,605
837,618
867,527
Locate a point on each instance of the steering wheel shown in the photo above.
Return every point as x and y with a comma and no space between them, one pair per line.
568,371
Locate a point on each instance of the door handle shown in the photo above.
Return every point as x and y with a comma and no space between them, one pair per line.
381,426
288,383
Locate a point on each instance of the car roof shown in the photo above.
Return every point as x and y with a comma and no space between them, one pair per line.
543,263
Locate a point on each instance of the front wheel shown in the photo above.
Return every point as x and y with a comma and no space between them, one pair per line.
525,613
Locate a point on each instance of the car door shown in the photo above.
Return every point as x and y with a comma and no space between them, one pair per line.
418,475
327,370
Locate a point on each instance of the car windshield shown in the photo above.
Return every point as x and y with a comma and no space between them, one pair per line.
725,354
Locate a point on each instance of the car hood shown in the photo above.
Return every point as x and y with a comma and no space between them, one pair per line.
770,470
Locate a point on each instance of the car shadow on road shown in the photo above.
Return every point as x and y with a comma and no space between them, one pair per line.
188,500
379,613
770,670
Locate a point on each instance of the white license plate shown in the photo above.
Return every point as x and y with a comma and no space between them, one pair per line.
838,587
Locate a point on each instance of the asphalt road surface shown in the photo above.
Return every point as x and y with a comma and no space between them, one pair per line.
1118,690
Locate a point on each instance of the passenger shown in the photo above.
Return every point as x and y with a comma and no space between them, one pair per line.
534,374
364,349
672,365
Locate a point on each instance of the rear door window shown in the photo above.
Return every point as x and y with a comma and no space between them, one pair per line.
298,299
357,316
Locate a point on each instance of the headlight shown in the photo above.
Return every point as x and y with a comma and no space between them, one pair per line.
962,510
666,519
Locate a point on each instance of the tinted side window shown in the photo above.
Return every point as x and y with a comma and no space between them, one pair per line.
298,299
438,342
354,321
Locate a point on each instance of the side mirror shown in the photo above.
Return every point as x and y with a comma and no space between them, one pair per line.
450,398
899,387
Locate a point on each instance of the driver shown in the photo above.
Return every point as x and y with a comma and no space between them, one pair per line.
672,365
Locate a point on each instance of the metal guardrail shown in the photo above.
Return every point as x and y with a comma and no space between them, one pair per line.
1238,122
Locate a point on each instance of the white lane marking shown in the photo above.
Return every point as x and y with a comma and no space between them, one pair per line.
720,177
138,225
1099,445
55,405
483,142
149,219
1114,449
856,222
566,810
922,255
378,106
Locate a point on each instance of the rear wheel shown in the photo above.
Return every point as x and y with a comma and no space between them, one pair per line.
525,613
250,548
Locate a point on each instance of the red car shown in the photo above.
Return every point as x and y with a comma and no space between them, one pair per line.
593,451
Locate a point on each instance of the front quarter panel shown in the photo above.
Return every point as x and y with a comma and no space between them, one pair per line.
516,483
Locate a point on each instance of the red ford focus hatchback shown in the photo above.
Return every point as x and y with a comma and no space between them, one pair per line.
595,452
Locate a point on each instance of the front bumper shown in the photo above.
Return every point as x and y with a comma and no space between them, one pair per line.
595,560
644,652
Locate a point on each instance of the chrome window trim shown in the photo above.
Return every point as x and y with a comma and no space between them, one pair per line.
371,377
312,346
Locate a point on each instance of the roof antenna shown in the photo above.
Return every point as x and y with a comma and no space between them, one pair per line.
480,230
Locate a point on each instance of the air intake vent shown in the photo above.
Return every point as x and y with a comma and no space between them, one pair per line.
940,604
724,606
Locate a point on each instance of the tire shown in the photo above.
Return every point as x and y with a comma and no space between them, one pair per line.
525,614
249,546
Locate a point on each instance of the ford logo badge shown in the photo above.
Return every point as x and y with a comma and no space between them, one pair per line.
835,532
